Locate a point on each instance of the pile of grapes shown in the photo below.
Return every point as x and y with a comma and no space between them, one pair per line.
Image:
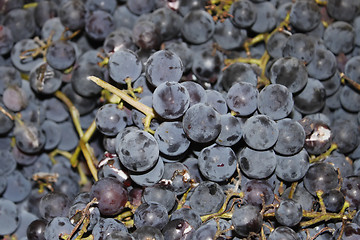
179,119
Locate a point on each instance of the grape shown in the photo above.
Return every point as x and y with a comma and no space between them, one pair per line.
146,232
99,24
198,27
216,100
58,226
106,226
163,66
350,189
6,40
196,92
299,46
265,17
257,192
217,163
60,55
302,196
349,232
334,42
260,132
305,15
320,176
27,64
119,235
151,214
171,100
168,20
54,204
291,137
44,79
207,198
124,65
201,123
283,233
176,176
138,151
139,7
290,72
177,229
231,130
276,44
312,98
110,194
275,101
343,10
323,65
110,119
189,215
345,134
21,23
238,72
146,35
292,168
340,162
207,66
9,216
257,164
244,13
171,138
246,219
288,213
161,195
242,98
72,14
228,36
36,229
334,200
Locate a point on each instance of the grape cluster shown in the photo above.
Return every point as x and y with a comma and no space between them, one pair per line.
179,119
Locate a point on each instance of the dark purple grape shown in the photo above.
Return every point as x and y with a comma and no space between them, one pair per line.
217,163
21,23
288,213
275,101
244,13
53,205
283,233
305,15
163,66
111,196
72,14
207,198
339,37
300,46
321,176
257,164
258,191
238,72
138,150
198,26
36,230
334,200
171,100
350,188
146,35
9,217
6,40
260,132
290,72
291,137
201,123
242,98
151,214
246,219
